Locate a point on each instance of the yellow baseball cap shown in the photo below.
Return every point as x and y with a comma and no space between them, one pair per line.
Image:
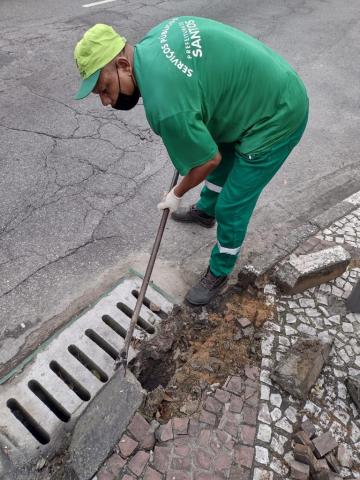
99,45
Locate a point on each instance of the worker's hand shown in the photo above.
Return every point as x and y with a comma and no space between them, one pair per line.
170,201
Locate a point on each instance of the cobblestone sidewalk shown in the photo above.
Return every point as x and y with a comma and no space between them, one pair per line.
217,445
245,428
319,311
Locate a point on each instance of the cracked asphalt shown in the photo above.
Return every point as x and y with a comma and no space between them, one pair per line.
79,183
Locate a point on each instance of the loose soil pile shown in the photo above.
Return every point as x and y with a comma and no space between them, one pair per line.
196,349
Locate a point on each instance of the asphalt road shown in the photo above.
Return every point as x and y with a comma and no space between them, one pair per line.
79,183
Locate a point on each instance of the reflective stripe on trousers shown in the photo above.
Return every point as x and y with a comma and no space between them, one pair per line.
228,251
212,187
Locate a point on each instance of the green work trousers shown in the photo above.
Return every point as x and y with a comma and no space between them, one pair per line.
231,192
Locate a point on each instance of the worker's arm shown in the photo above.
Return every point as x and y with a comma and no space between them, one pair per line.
197,175
191,180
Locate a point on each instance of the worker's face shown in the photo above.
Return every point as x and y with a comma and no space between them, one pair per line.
116,85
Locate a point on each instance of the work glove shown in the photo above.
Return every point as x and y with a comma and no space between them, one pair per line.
170,201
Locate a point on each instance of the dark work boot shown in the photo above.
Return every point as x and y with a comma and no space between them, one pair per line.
193,215
206,289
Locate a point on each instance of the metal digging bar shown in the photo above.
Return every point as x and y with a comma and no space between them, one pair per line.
123,356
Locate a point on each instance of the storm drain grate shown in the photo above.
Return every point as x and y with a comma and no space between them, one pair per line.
36,406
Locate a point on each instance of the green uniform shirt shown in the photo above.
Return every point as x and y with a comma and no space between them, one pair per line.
204,83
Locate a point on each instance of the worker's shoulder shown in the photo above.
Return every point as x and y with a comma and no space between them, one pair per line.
183,31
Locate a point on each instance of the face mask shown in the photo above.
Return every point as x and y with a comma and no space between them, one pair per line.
126,102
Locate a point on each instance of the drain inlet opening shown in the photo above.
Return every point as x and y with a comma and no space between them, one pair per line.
28,421
150,305
88,363
110,322
102,343
141,322
49,401
70,381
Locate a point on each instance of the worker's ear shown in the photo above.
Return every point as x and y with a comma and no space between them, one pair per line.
122,63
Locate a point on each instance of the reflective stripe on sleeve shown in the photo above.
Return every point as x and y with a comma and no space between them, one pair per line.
229,251
213,187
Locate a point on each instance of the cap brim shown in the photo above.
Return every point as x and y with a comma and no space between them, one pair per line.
87,85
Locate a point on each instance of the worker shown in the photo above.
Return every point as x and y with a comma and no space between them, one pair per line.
228,109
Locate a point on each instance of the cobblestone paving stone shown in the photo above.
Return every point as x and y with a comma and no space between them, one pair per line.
345,230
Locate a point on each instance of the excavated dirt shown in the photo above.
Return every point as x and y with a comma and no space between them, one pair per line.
197,349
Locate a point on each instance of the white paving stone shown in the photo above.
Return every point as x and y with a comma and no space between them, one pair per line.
277,443
292,304
284,341
354,198
343,337
262,455
307,302
279,467
334,319
266,363
307,330
276,399
266,345
260,474
312,408
323,310
290,331
265,377
270,289
276,414
264,414
272,326
347,327
349,350
354,412
353,317
264,392
284,425
290,318
264,433
291,414
324,420
322,299
336,291
342,391
344,356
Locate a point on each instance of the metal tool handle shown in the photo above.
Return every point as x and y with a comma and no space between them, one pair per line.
123,356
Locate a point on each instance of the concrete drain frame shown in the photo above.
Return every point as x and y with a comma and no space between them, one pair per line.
42,403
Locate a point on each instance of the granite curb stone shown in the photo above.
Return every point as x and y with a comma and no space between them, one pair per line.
103,422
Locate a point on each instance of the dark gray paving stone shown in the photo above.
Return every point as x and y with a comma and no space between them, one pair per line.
353,386
102,424
324,444
298,273
353,301
298,371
